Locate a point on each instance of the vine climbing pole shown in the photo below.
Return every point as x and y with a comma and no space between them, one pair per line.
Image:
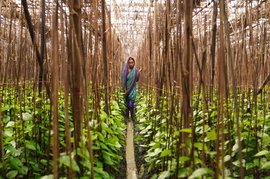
55,77
187,68
104,55
76,58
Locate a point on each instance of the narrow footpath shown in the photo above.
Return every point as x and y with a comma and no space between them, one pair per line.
130,158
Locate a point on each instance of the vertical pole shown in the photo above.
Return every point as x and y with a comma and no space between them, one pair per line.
104,52
55,78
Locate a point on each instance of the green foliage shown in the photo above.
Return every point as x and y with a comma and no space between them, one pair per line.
28,148
159,137
200,172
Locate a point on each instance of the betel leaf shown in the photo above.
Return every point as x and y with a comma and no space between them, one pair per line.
235,147
165,153
23,170
227,158
266,166
250,165
30,145
184,159
47,177
106,128
26,116
262,153
187,130
11,149
163,175
100,136
237,162
107,159
182,173
200,172
12,174
100,173
69,162
16,163
154,176
10,124
200,146
211,135
103,115
155,152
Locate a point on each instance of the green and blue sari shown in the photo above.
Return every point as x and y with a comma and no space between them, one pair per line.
129,84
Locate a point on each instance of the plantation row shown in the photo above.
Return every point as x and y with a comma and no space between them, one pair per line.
27,139
160,140
160,151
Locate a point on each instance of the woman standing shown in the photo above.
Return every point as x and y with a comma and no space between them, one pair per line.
129,79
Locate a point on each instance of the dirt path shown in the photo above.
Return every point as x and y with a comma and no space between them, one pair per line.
131,164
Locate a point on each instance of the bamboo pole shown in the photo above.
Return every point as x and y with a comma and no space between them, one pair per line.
186,68
55,78
104,55
76,73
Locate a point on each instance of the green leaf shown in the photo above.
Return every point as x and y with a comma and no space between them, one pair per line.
262,153
26,116
154,176
106,128
227,158
12,174
249,166
237,163
47,177
8,133
187,130
182,173
266,140
23,170
16,163
11,149
69,162
10,124
163,175
200,172
266,166
165,153
156,145
235,147
155,152
100,173
184,159
30,145
200,146
211,135
43,161
100,136
107,159
103,115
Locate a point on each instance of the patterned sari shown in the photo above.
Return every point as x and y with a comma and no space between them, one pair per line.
129,84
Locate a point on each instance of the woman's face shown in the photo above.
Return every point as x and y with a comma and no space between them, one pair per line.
131,63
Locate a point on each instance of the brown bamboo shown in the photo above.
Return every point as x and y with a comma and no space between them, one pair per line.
186,68
76,73
104,55
1,133
55,78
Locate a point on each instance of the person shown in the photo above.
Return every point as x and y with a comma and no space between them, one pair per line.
130,77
